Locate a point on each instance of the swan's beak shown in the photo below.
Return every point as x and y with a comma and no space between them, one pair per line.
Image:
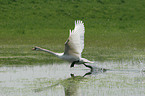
34,48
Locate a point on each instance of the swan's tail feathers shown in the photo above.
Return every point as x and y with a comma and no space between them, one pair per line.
86,61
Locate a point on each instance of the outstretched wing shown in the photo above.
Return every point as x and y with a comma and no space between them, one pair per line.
75,43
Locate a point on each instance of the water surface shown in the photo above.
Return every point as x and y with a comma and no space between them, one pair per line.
122,79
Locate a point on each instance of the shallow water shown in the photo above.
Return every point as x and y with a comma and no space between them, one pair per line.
122,79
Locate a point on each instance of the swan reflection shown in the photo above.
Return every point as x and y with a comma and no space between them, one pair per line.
71,85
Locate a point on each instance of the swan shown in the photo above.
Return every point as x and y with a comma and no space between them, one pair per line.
73,46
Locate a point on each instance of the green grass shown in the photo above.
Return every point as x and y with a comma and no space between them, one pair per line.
114,29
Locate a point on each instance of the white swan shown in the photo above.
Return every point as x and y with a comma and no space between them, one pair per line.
73,46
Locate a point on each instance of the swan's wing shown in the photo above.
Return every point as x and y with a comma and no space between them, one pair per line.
75,43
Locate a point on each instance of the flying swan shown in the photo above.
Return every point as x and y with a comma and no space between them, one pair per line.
73,46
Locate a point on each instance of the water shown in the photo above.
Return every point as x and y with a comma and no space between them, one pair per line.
122,79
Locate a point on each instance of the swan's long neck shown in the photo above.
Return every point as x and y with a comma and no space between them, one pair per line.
48,51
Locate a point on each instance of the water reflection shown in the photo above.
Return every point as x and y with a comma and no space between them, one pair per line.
71,85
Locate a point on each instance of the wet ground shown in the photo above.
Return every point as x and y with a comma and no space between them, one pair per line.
105,79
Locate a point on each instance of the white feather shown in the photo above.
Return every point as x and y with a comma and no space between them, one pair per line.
75,43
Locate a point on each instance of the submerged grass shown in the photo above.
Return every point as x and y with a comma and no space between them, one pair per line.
114,29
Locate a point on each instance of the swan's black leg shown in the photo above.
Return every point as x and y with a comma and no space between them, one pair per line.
89,67
73,63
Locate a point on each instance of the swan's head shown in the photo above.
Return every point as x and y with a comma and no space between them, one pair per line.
35,48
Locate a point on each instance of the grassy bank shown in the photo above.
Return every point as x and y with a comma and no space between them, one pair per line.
114,29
